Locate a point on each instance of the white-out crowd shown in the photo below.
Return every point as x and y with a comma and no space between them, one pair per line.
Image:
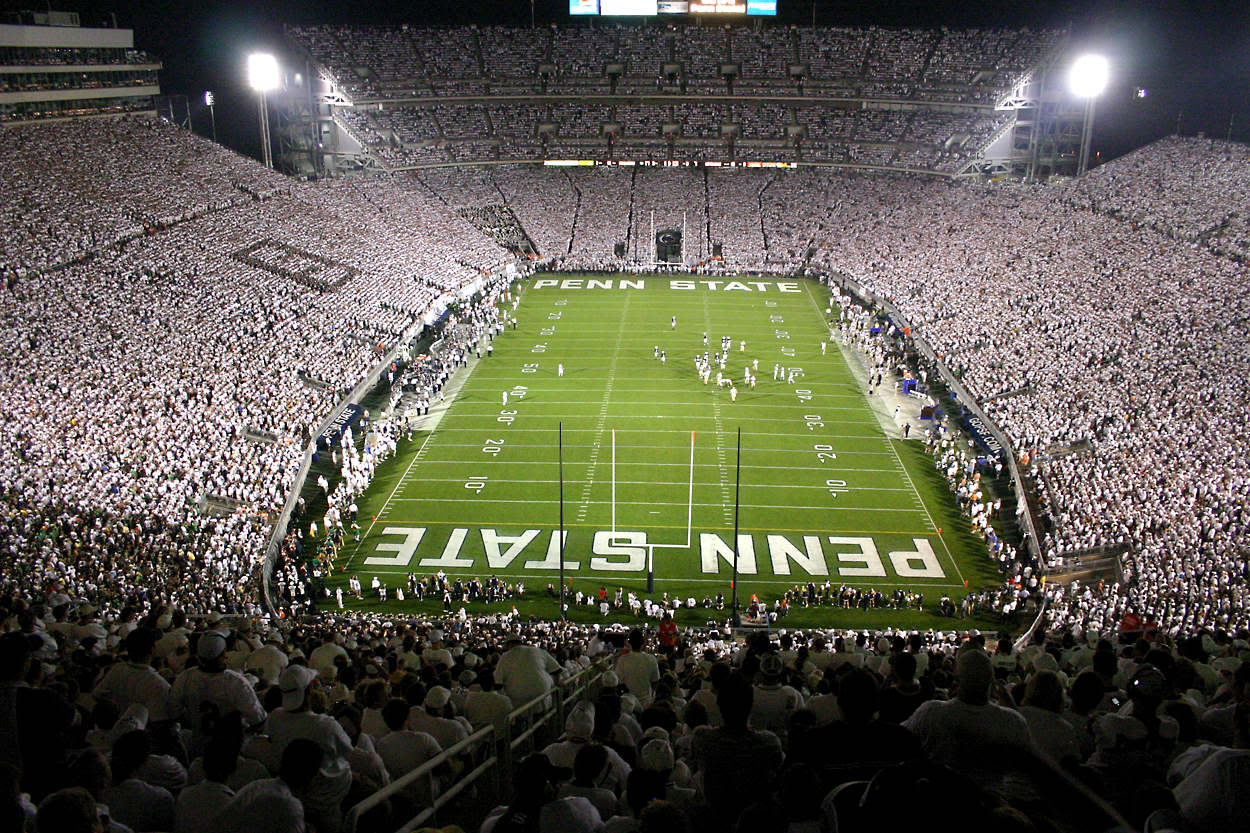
136,382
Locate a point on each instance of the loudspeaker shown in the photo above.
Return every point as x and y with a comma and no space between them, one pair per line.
718,250
619,249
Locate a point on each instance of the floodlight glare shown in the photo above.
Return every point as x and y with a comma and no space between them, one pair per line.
208,98
1088,76
262,72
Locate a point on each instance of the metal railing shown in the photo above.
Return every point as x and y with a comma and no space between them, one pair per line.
492,751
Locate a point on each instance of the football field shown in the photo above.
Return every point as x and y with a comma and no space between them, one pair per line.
649,457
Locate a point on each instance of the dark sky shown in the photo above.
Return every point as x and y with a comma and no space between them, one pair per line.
1193,58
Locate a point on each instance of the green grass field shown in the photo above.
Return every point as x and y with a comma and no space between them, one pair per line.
824,495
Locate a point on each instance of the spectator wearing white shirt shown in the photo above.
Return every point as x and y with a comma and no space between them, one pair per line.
638,670
525,671
211,688
432,719
198,806
135,680
403,750
962,732
133,802
293,721
484,704
774,702
276,805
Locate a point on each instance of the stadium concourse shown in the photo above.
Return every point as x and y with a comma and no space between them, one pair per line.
178,320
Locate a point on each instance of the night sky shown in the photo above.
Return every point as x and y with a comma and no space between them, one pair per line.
1192,58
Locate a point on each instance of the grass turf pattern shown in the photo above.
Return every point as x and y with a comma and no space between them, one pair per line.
825,495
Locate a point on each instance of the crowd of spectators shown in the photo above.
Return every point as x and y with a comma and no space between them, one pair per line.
182,368
408,136
378,62
134,396
409,69
157,722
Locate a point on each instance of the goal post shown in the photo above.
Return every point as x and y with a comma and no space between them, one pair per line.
651,546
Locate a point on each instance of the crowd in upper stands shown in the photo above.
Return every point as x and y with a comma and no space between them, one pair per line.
502,66
389,62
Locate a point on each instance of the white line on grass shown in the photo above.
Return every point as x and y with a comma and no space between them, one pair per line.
789,420
683,465
885,581
530,502
662,483
925,509
812,434
389,497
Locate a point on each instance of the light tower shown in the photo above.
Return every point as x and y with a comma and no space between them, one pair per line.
263,75
1086,80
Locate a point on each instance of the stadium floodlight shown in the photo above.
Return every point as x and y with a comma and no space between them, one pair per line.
263,74
1086,80
209,101
1088,76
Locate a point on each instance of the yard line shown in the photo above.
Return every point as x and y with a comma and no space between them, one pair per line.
742,579
389,497
674,416
941,538
462,463
530,502
603,415
811,435
476,523
684,483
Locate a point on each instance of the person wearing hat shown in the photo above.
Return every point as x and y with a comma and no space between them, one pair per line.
135,680
774,702
958,732
210,688
579,726
295,721
535,807
432,719
436,654
657,756
269,660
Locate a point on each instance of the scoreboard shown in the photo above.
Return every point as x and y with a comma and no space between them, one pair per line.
647,8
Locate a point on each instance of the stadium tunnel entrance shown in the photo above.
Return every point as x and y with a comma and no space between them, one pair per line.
668,245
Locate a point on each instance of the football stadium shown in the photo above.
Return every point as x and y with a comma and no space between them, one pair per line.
674,417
